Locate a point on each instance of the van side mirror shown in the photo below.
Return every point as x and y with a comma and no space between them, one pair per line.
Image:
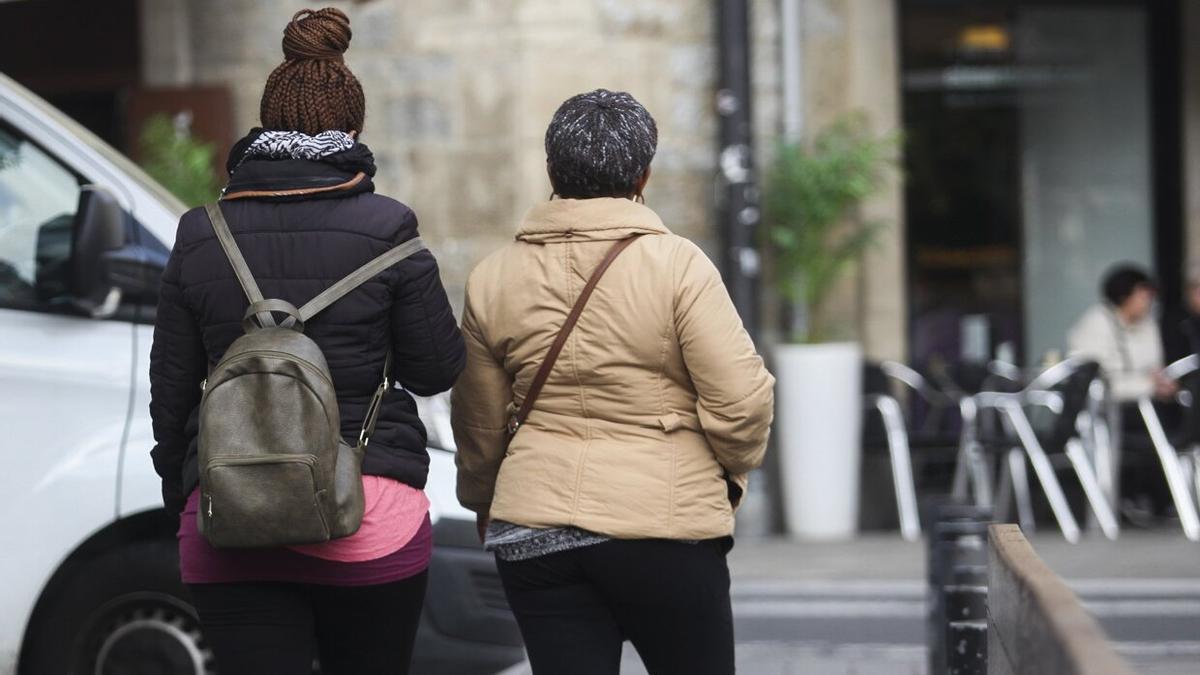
100,230
106,264
136,270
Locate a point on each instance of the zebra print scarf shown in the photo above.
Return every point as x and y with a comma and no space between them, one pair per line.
297,145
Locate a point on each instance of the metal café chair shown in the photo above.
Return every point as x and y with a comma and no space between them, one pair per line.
1064,391
973,470
1178,465
893,431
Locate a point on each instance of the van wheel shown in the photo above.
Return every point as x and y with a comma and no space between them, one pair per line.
125,612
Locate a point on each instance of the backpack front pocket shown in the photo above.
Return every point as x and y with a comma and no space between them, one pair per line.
262,501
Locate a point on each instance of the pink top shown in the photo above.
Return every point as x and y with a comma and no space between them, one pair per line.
393,514
393,543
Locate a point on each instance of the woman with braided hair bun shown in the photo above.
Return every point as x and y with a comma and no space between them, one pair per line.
301,206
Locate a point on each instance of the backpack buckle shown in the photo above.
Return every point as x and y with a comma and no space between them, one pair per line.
513,425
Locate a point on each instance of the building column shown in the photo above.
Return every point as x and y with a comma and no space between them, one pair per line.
850,56
167,59
1191,131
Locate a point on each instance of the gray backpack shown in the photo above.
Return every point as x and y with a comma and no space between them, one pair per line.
274,469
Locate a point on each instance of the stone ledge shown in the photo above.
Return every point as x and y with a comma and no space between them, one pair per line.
1036,625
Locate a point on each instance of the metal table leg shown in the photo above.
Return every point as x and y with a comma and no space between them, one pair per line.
1176,481
1091,488
1015,459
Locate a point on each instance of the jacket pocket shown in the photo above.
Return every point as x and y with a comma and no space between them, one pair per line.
736,483
670,422
673,421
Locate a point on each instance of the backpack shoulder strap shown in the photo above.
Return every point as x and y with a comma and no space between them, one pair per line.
234,254
339,290
543,373
359,276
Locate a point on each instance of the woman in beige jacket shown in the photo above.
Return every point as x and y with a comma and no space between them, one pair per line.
610,510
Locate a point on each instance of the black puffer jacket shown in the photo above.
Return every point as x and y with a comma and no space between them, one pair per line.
320,222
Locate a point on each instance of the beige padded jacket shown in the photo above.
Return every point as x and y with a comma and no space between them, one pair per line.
657,407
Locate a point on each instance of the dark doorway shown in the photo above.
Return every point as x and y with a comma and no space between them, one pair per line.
80,56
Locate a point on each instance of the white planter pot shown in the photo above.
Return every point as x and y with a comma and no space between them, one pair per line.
819,437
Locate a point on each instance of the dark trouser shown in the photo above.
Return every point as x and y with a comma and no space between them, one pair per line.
670,599
277,628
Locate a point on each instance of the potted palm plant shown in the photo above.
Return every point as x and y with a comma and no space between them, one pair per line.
817,235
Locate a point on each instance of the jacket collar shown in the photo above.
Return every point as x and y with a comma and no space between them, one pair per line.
292,180
599,219
337,175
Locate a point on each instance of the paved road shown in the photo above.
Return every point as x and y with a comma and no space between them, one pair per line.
869,628
858,608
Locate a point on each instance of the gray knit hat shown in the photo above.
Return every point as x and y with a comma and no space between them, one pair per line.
599,144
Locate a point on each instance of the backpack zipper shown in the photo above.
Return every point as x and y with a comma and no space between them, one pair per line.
235,460
275,458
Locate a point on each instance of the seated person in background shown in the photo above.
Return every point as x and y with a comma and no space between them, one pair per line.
1181,328
1122,336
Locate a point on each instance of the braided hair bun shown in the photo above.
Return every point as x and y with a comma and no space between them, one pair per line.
313,90
317,34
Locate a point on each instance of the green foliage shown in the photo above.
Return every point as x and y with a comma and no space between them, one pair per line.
811,205
183,165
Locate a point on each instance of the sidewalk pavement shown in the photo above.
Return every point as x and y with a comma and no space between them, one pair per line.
1146,554
858,607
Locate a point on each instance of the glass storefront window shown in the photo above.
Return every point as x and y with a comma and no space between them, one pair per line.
1028,169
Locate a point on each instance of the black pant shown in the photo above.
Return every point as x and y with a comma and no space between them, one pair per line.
670,599
277,628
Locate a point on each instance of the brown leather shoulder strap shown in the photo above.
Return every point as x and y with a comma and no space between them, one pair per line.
543,374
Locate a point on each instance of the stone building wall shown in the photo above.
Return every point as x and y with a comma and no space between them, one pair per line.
459,93
851,65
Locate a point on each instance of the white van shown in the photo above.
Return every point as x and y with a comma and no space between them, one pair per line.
89,579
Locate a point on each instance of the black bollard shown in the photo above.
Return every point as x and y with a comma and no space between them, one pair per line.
957,595
966,643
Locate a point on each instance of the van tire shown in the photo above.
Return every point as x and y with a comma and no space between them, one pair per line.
124,611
